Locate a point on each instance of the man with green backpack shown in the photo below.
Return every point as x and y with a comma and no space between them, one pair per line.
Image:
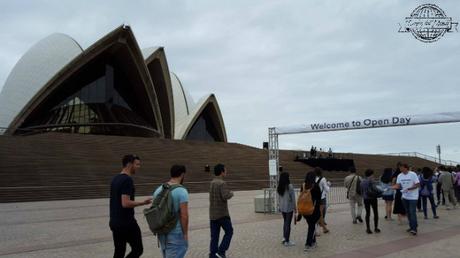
168,216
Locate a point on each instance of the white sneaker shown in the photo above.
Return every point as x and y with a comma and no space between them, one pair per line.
290,243
307,248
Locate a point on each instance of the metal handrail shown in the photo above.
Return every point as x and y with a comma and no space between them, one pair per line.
424,156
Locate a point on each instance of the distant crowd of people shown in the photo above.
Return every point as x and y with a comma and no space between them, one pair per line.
403,190
315,154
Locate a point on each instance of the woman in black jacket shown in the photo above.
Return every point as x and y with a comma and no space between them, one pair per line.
312,219
370,200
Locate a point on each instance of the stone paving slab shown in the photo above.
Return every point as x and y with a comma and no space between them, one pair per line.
79,228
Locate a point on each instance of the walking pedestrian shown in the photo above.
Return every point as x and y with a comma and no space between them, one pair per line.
447,184
370,200
324,186
287,206
419,201
439,193
388,194
175,242
398,207
457,182
352,182
122,222
219,216
315,192
408,183
426,191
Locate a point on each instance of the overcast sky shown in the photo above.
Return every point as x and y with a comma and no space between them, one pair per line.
277,63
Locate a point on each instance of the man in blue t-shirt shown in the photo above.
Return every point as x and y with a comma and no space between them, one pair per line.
122,222
175,243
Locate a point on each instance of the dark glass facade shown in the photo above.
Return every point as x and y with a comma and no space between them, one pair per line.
204,128
98,100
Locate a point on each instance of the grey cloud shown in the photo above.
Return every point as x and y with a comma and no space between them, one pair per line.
277,63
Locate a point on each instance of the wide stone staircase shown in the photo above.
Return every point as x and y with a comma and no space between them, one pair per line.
58,166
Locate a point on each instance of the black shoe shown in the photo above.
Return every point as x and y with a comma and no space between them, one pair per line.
369,231
377,230
436,217
299,217
359,219
355,222
386,217
408,230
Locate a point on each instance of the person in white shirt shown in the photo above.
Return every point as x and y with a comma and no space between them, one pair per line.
408,182
324,187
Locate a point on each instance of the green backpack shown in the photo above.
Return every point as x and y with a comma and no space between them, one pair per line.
161,216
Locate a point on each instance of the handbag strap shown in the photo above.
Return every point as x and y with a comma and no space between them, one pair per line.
351,183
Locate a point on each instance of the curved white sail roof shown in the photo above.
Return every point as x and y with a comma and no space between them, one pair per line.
35,68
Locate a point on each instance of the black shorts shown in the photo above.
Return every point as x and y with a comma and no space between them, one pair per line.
388,197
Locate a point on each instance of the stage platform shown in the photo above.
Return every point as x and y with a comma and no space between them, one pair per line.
329,164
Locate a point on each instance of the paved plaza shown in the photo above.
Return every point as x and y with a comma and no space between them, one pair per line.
79,228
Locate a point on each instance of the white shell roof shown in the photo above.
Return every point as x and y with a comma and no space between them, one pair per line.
146,52
35,68
50,55
181,128
183,103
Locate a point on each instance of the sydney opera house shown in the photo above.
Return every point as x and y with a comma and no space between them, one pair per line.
68,115
111,88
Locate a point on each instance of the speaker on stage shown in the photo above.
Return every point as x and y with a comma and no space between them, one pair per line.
265,145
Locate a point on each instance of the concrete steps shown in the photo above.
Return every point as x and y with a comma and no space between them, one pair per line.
57,166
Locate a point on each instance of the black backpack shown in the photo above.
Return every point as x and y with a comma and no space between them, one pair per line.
373,192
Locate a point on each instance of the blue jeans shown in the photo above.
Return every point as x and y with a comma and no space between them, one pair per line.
425,206
215,226
173,245
411,209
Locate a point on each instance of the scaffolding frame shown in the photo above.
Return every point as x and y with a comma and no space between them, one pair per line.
272,203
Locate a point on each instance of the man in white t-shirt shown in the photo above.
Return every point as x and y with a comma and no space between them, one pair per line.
408,182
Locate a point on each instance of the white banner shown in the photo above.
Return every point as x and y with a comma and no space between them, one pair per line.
272,169
390,121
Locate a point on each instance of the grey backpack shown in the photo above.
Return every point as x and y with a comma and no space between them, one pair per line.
161,216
